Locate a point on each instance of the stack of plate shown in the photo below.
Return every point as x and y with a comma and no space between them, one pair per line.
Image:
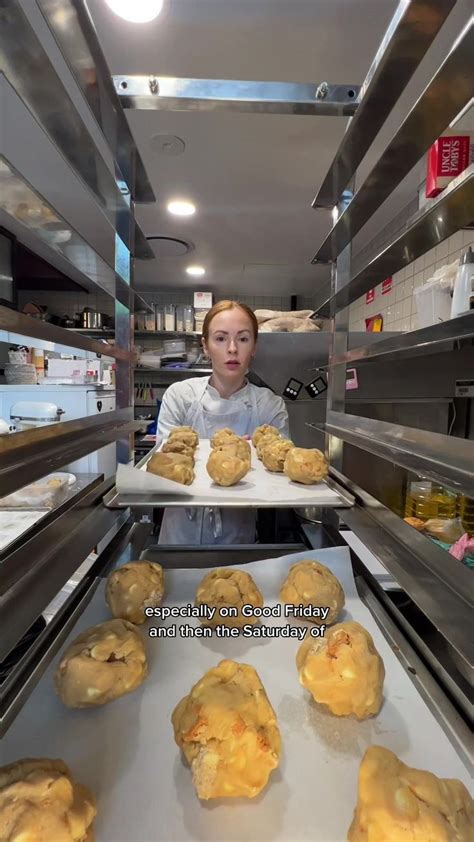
20,373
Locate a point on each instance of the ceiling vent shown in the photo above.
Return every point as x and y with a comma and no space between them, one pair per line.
169,247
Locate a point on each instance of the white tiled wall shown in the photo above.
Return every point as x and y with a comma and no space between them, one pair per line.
398,307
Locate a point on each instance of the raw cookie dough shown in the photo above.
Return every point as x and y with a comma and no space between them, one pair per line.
261,431
229,587
174,466
265,441
306,465
343,670
237,447
226,469
177,446
397,803
228,732
311,583
275,453
41,802
185,434
133,587
223,436
102,664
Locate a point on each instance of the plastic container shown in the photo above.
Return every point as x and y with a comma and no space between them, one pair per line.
188,318
433,303
180,319
20,373
174,346
159,318
150,319
170,317
48,492
140,316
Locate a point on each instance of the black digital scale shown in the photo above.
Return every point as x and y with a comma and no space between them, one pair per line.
316,387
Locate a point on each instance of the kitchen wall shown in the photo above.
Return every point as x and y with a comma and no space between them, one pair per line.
398,307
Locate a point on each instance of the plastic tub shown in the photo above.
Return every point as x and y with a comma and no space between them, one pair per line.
433,304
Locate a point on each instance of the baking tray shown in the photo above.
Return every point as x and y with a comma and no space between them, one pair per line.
258,489
126,752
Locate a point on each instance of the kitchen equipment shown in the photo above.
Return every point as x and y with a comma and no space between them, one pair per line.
28,414
463,297
170,317
91,319
174,346
67,322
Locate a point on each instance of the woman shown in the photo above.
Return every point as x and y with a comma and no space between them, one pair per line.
225,399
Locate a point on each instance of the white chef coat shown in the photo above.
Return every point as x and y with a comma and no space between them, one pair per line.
197,403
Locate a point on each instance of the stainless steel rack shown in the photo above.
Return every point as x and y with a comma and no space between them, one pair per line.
436,583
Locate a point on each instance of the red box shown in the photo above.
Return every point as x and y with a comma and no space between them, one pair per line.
447,157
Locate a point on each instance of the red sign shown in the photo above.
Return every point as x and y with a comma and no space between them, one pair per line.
370,296
386,286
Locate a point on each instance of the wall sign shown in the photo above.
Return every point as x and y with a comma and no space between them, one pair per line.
370,296
386,286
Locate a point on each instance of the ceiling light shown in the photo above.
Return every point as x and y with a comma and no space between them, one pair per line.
136,11
196,271
181,208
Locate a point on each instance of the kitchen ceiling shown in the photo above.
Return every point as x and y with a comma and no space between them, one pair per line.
252,177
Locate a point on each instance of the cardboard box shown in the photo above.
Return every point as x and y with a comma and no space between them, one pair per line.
448,157
203,300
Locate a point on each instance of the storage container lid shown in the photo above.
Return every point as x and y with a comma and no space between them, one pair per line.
35,410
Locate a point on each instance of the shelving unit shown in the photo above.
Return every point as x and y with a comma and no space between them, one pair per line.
437,584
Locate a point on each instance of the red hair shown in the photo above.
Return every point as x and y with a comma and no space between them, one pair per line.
220,307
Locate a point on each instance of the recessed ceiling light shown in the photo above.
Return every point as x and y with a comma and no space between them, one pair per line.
136,11
196,271
181,207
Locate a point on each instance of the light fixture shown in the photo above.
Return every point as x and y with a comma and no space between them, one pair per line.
136,11
196,271
181,207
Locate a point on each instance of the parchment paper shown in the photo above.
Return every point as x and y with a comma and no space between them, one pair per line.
259,486
126,752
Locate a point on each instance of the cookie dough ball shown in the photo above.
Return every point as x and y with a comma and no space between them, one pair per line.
311,583
177,446
306,465
261,431
237,447
174,466
186,435
223,436
41,802
275,453
103,663
265,441
396,803
228,732
343,670
226,469
229,587
132,588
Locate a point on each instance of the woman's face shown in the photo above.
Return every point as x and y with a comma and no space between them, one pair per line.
230,345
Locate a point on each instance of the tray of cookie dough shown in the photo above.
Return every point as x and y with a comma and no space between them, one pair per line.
258,488
126,754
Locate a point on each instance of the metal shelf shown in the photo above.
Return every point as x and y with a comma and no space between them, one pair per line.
175,370
77,38
23,325
441,101
452,210
30,79
30,455
410,33
444,459
166,334
426,340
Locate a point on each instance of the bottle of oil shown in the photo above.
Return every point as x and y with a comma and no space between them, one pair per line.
427,499
465,510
